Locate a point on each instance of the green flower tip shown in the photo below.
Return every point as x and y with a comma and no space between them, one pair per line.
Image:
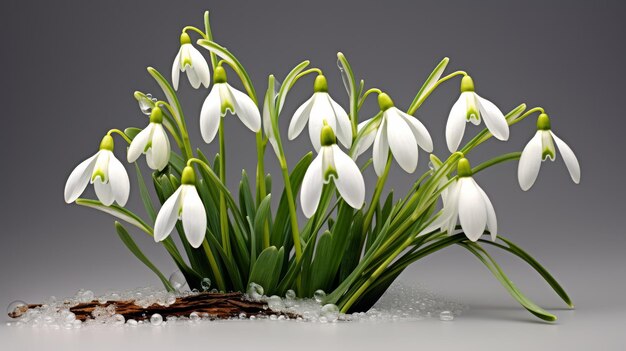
185,39
543,122
189,176
467,84
463,168
219,76
384,101
327,137
320,85
107,143
156,116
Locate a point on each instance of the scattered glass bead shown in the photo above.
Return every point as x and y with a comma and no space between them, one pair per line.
255,291
156,319
330,312
290,294
177,280
275,303
132,322
446,316
17,307
194,317
206,284
319,295
119,319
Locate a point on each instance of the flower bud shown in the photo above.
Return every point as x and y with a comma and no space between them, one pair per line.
543,122
156,116
467,84
463,168
385,102
189,176
320,85
107,143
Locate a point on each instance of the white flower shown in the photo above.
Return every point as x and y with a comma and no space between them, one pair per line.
471,108
466,201
315,110
105,172
540,148
221,99
190,60
184,204
331,163
153,142
396,130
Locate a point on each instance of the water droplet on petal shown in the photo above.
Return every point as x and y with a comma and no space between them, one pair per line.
319,295
206,284
156,319
16,308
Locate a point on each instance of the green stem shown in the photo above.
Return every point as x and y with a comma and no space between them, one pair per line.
214,267
369,91
209,36
120,133
195,29
223,213
293,216
414,108
182,127
380,184
304,73
496,160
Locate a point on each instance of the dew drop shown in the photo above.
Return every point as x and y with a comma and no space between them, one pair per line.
177,280
146,103
290,294
206,284
156,319
194,317
16,308
255,291
275,303
319,295
344,76
330,312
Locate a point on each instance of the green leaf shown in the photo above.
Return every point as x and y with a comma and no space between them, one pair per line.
118,212
132,246
246,202
263,214
347,76
132,132
169,92
352,253
516,250
491,264
267,268
233,62
145,195
288,84
428,85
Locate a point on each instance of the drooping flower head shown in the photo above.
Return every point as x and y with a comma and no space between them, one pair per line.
224,98
467,202
540,148
396,131
331,164
105,172
319,108
184,204
470,107
190,60
153,142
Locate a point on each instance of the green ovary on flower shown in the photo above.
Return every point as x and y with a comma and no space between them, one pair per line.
320,85
384,102
188,176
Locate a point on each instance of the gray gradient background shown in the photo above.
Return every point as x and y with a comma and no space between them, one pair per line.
70,69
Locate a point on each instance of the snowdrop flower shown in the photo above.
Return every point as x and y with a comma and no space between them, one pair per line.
223,98
470,107
105,172
540,148
331,163
153,142
319,108
190,60
466,201
184,204
396,130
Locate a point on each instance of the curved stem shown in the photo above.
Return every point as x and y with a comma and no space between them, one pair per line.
195,29
439,82
304,73
369,91
494,161
120,133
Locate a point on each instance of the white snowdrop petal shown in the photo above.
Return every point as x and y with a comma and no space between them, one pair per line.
455,127
246,109
344,126
571,162
193,216
210,115
321,110
401,141
194,79
299,119
419,130
104,192
494,118
119,181
138,144
176,70
450,208
349,181
78,179
381,149
200,67
312,187
160,147
492,222
167,216
472,212
530,162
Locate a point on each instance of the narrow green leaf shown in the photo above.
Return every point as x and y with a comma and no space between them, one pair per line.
288,84
266,269
132,246
428,85
246,202
260,220
169,92
145,195
118,212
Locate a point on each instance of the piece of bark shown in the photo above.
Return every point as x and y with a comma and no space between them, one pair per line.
217,306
